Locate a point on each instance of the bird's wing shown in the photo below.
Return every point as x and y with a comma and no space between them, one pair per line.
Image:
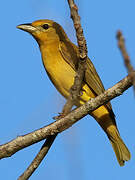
70,53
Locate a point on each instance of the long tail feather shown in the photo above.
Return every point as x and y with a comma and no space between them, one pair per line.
120,149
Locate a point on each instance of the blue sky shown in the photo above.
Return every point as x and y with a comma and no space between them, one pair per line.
28,100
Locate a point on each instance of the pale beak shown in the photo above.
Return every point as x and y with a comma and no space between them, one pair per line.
27,27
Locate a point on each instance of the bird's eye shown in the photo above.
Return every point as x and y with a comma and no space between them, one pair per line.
45,26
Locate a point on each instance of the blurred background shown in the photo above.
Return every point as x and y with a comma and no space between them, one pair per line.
28,100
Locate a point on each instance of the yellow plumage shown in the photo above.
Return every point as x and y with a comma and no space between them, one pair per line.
60,58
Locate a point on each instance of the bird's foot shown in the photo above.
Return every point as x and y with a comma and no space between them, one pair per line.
61,115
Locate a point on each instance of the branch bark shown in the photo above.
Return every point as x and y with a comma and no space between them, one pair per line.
127,61
75,89
21,142
38,159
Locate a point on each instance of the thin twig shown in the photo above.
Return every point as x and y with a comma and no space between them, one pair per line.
79,31
21,142
38,159
127,62
75,89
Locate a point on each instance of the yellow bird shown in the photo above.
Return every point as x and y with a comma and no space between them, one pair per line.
60,57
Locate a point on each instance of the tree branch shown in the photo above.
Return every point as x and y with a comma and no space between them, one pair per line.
38,159
21,142
75,89
127,62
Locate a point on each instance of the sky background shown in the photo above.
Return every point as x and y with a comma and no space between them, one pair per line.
28,100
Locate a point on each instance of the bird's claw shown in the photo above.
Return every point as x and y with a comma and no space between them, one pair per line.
61,115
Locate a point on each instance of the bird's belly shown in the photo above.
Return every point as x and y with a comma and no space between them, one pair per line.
62,76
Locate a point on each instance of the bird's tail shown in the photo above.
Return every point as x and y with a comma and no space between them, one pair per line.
120,149
108,123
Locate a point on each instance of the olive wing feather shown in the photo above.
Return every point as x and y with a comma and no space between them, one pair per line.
70,53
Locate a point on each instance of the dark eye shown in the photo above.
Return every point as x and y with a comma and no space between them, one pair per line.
45,26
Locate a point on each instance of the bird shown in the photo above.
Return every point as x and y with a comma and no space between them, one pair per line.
60,57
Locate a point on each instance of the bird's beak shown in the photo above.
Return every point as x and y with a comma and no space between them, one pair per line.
27,27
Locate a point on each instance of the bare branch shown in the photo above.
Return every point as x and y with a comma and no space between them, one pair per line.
75,89
79,31
127,62
21,142
38,159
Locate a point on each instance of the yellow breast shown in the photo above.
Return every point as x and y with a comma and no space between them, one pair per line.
62,75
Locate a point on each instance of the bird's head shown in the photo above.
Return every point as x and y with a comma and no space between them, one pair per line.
44,31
